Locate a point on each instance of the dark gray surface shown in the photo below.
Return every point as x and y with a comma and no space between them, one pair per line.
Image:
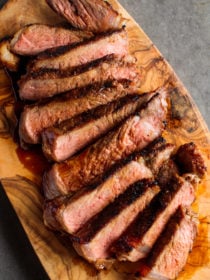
17,258
181,31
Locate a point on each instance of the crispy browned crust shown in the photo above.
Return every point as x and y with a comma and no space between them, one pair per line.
96,16
55,52
81,170
48,82
190,160
174,245
135,233
113,209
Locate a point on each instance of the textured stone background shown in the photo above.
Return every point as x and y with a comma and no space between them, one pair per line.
181,31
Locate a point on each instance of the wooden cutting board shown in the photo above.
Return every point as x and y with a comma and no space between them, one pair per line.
20,172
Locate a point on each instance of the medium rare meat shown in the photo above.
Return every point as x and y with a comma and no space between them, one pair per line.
85,168
60,213
42,84
94,239
170,252
70,136
94,15
115,42
35,118
36,38
138,240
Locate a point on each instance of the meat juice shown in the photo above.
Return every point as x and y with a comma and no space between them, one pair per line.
31,157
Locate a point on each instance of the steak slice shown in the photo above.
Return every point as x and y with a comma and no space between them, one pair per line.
94,15
70,214
157,155
62,141
85,168
94,239
167,171
138,240
60,213
42,84
114,42
171,250
190,160
36,38
35,118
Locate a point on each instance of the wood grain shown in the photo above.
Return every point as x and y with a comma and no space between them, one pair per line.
23,184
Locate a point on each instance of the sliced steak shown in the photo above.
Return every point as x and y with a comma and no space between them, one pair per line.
115,42
94,15
94,239
60,213
157,155
62,141
36,38
35,118
190,160
170,252
140,237
187,161
42,84
167,171
85,168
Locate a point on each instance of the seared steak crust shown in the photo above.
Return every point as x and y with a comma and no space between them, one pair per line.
89,201
134,134
115,42
190,160
158,155
62,141
94,239
118,191
94,15
89,230
167,171
138,240
170,252
36,38
42,84
35,118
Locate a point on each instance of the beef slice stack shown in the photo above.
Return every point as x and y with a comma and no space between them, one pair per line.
115,187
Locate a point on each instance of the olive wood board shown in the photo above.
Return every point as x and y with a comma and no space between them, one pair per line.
21,172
